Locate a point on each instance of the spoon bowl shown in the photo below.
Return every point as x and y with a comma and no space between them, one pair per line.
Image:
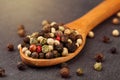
83,25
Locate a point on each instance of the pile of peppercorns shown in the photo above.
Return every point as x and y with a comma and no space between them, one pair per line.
52,41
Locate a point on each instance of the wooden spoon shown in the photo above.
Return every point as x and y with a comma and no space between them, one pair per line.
83,25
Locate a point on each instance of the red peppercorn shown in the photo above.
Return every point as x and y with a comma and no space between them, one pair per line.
58,38
32,48
39,49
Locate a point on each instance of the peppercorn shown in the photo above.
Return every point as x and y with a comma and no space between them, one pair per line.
56,42
2,72
115,21
28,53
41,33
65,52
50,41
10,47
39,49
45,22
98,66
47,35
65,72
106,39
19,46
32,48
99,57
69,41
53,30
51,35
91,34
78,37
53,23
26,40
72,36
59,47
79,41
35,34
50,47
58,33
41,55
33,41
21,32
40,38
55,26
21,27
45,48
49,55
67,31
46,29
34,55
118,14
43,41
79,72
24,49
113,50
58,38
71,47
61,28
21,66
115,33
55,53
64,39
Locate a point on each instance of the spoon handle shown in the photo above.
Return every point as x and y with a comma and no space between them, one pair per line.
95,16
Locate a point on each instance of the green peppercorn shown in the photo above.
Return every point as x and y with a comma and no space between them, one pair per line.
43,41
33,41
45,48
34,55
98,66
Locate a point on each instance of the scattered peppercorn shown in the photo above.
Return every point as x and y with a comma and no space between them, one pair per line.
98,66
21,27
91,34
79,72
2,72
10,47
65,72
99,57
21,66
106,39
118,14
21,33
113,50
115,33
115,21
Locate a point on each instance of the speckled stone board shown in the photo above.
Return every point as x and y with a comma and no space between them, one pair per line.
31,13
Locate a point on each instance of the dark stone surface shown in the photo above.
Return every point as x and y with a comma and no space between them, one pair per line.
31,13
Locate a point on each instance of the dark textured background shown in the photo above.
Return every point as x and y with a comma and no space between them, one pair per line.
31,13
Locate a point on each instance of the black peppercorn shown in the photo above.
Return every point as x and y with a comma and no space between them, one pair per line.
21,66
64,39
26,40
55,53
78,37
106,39
72,36
55,26
41,55
34,55
49,55
65,72
99,57
46,29
59,47
47,35
71,47
10,47
113,50
2,72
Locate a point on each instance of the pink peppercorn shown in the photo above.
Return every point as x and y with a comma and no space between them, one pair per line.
39,49
58,38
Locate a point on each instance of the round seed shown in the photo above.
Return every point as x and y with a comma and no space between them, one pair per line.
28,53
50,41
65,52
24,49
98,66
118,14
91,34
115,33
115,21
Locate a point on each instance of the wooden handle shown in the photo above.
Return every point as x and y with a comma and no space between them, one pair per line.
94,17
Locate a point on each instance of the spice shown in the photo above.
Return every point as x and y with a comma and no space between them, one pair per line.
67,31
118,14
115,21
115,33
64,39
45,22
61,28
45,48
35,35
50,41
65,52
26,40
106,39
50,47
39,49
43,41
91,34
34,55
79,41
98,66
113,50
19,46
49,55
41,55
59,47
2,72
79,71
21,66
33,41
28,53
53,23
65,72
55,53
69,41
32,48
21,32
71,47
10,47
24,49
99,57
56,42
53,30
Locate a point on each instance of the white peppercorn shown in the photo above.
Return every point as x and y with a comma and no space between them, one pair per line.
52,35
44,22
53,23
53,30
19,46
40,38
24,49
98,66
115,33
118,14
50,47
115,21
61,28
27,52
67,31
79,41
65,52
69,40
77,44
56,42
50,41
91,34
